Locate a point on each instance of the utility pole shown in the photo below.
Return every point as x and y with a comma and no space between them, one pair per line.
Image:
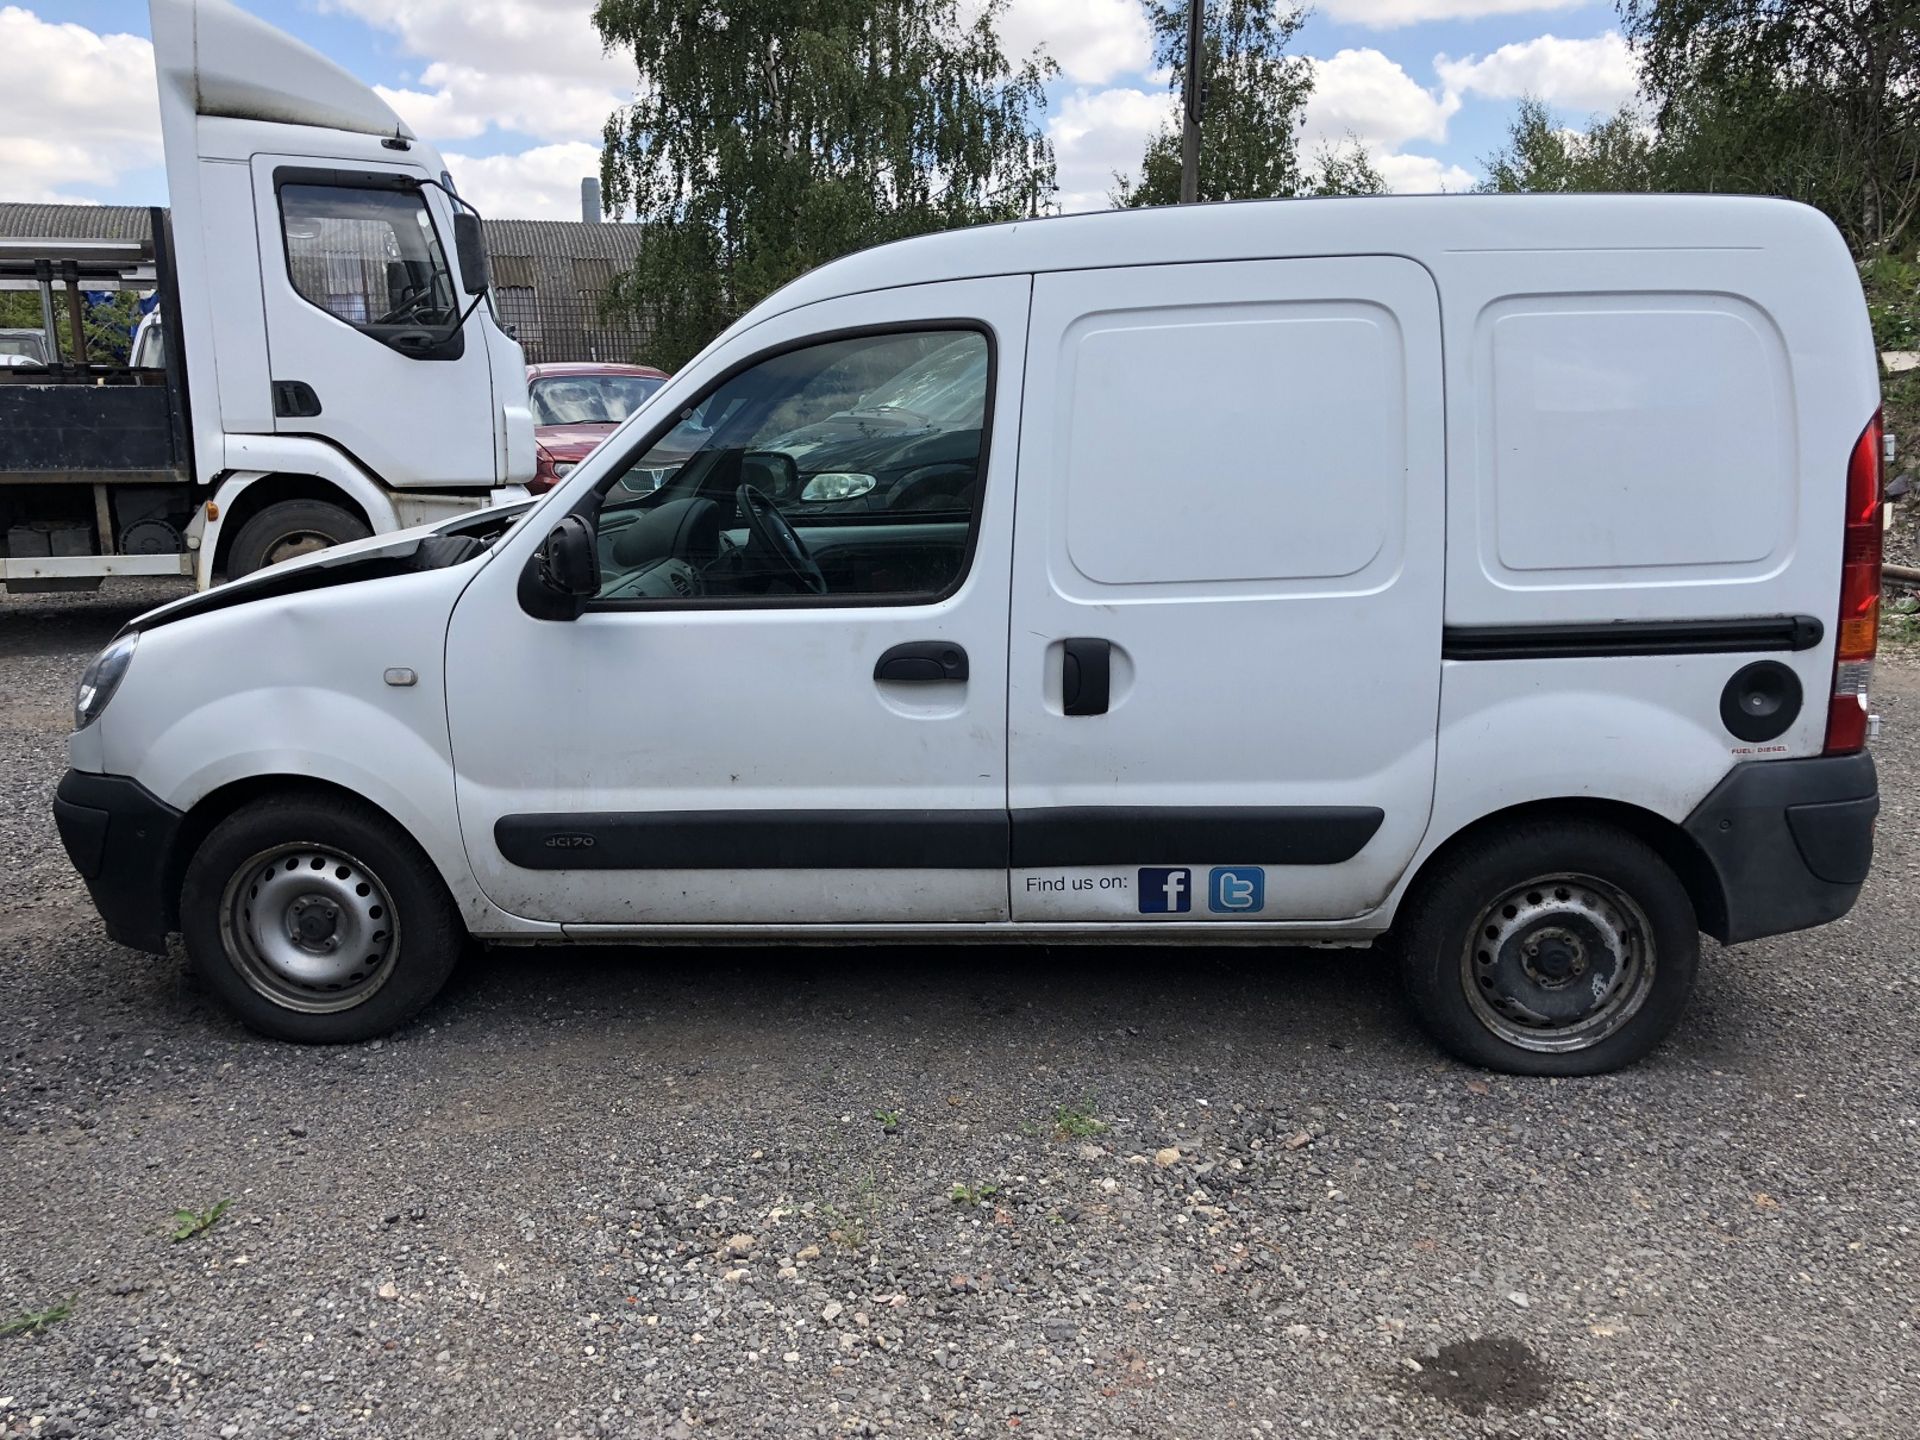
1194,101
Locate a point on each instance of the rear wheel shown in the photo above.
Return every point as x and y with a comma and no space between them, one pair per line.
316,919
1554,948
289,528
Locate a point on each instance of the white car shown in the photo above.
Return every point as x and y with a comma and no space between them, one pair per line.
1496,571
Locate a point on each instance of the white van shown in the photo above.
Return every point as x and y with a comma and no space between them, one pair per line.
1501,572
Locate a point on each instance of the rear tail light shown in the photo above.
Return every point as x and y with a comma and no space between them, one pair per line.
1858,635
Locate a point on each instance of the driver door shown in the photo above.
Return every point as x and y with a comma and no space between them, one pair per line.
716,742
359,292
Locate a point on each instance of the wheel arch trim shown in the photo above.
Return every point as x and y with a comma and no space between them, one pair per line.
1665,837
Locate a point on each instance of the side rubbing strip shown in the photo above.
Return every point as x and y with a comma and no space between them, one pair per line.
933,839
757,840
1148,835
1631,637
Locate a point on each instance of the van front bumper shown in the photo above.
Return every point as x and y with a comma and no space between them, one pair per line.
120,838
1790,842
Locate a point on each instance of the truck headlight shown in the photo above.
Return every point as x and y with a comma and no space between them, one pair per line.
101,678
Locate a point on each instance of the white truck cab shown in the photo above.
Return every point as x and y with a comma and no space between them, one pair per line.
361,382
328,366
1497,572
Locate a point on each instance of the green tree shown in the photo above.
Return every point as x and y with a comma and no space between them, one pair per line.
1256,94
108,324
1814,99
769,136
1344,170
1541,157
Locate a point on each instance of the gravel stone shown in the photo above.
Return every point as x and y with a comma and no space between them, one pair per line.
1718,1243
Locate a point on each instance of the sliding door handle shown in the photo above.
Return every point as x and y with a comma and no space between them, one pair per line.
922,662
1086,676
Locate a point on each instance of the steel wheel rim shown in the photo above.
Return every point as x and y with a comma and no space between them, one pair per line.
1559,963
296,543
310,927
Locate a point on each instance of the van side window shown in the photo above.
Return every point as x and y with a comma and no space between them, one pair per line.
846,470
367,256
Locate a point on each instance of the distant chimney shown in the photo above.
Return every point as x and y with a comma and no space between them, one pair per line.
590,200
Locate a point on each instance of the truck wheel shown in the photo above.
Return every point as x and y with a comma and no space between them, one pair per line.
1554,948
288,528
316,919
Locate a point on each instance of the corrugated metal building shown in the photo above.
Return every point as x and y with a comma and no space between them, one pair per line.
550,277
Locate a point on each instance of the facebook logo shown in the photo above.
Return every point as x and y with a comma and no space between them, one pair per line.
1166,892
1233,889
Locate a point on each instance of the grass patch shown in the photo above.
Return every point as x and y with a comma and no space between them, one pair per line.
34,1321
1079,1122
853,1228
189,1223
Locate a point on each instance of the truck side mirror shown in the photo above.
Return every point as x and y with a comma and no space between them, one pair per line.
470,246
564,572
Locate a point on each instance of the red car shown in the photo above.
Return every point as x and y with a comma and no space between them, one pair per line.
576,406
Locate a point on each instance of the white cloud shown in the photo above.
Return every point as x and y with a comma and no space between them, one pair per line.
1364,94
77,109
1421,174
535,67
508,37
1094,40
1392,14
538,184
1097,133
463,102
1586,75
530,67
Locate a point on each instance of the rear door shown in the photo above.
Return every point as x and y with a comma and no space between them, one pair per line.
360,297
1225,654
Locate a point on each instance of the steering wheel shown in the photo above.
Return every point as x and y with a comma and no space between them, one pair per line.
770,531
410,304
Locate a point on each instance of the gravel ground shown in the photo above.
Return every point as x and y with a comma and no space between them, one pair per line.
831,1192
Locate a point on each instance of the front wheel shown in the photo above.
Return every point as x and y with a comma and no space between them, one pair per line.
291,528
1553,948
315,918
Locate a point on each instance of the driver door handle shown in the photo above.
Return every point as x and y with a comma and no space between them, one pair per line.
922,662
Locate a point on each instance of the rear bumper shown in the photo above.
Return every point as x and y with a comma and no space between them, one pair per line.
1790,841
120,838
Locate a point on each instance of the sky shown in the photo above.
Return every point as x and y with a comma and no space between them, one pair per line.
514,92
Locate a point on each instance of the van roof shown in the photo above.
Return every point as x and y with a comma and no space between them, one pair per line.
1421,227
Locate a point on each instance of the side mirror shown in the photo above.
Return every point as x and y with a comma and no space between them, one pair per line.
569,559
470,248
771,472
564,572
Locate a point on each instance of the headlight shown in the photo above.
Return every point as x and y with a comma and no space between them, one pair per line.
564,467
838,485
101,678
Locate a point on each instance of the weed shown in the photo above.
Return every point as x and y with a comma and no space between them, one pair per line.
845,1228
189,1223
34,1321
1079,1122
889,1120
972,1195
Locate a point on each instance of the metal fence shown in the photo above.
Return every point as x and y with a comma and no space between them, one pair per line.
565,327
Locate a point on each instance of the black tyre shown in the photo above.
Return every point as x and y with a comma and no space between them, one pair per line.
316,919
289,528
1553,948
